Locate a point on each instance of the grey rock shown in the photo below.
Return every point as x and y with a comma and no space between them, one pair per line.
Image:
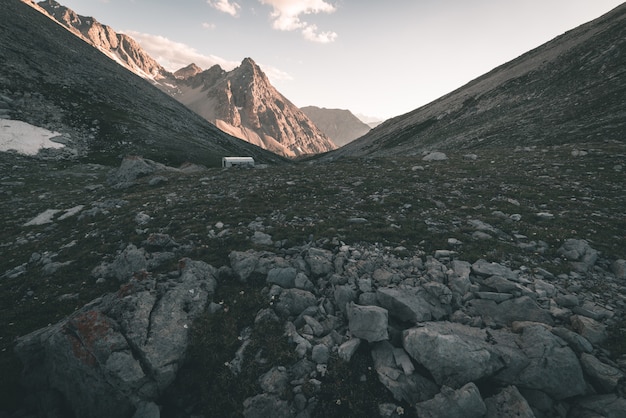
283,277
577,342
120,349
132,260
147,410
605,406
261,238
407,387
320,354
485,268
594,331
266,405
619,269
494,296
319,261
347,349
413,304
509,402
435,156
567,301
160,241
454,354
132,168
465,402
509,311
293,302
552,362
368,322
275,380
244,264
604,377
343,295
581,256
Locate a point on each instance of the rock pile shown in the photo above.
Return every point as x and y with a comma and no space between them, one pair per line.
447,337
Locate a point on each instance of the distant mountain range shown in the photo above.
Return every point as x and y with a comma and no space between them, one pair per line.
339,124
241,102
54,80
569,90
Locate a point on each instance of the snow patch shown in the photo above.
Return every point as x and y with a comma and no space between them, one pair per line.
43,218
25,138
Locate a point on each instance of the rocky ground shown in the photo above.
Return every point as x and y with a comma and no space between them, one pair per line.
474,284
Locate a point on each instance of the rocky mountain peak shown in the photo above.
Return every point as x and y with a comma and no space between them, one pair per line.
243,103
188,71
119,47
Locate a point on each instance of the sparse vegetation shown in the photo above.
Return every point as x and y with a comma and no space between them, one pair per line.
406,204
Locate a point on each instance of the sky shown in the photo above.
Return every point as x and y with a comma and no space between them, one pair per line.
375,58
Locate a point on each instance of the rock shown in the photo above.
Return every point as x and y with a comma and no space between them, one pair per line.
509,311
606,406
454,354
343,295
266,405
604,377
283,277
581,256
412,304
619,269
552,362
435,156
320,354
245,264
261,238
484,268
465,402
293,302
508,403
147,410
319,261
347,349
410,388
160,241
368,322
120,349
132,168
592,330
132,260
275,380
577,342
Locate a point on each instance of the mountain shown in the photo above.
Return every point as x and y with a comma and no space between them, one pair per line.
242,102
56,81
117,46
340,125
568,90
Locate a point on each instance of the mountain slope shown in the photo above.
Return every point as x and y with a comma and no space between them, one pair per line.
243,103
61,83
117,46
568,90
264,117
340,125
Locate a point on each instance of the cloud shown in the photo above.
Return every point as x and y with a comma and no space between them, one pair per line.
209,26
175,55
286,16
225,6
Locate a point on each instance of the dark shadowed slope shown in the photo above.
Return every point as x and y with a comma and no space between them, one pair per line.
59,82
568,90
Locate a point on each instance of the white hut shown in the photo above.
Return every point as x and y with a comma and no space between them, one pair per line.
236,161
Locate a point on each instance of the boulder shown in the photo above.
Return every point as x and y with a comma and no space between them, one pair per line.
508,403
592,330
266,405
604,377
454,354
320,261
606,406
284,277
509,311
465,402
408,387
485,269
368,322
293,302
120,350
581,256
411,304
435,156
619,269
